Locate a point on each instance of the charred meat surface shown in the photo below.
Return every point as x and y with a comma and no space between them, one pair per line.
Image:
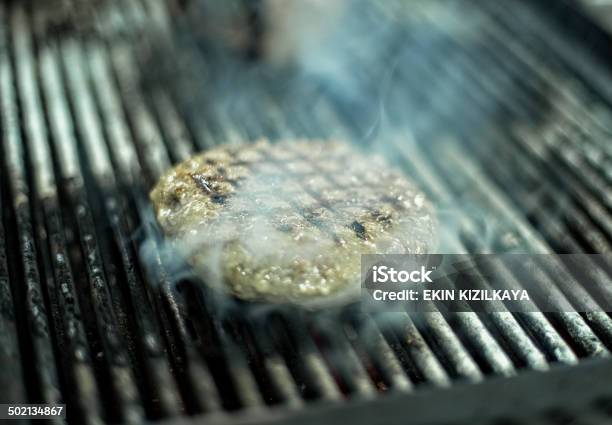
287,222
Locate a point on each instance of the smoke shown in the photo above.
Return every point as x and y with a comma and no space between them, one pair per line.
292,230
398,79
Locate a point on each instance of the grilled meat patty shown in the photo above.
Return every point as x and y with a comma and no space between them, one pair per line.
287,222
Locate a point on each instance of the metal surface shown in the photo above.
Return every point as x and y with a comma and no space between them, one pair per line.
497,401
493,110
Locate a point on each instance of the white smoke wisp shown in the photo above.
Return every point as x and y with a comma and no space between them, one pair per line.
363,70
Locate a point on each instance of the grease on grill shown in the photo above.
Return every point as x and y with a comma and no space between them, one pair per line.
288,222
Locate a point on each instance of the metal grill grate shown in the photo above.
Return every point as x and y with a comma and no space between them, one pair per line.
513,148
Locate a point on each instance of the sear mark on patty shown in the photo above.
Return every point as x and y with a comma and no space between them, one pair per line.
382,217
218,199
359,230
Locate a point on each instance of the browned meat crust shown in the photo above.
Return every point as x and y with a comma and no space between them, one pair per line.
288,222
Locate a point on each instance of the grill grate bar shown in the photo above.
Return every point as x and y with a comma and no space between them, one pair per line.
43,381
149,343
535,323
480,178
142,127
581,333
574,111
76,364
264,357
349,372
511,186
366,336
197,388
304,358
602,321
10,377
105,299
599,243
597,213
530,146
157,376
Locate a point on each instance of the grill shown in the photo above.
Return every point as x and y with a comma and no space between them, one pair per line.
499,110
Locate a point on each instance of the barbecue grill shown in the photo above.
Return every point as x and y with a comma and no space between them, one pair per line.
500,111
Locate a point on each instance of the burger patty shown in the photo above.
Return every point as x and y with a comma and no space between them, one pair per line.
287,222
